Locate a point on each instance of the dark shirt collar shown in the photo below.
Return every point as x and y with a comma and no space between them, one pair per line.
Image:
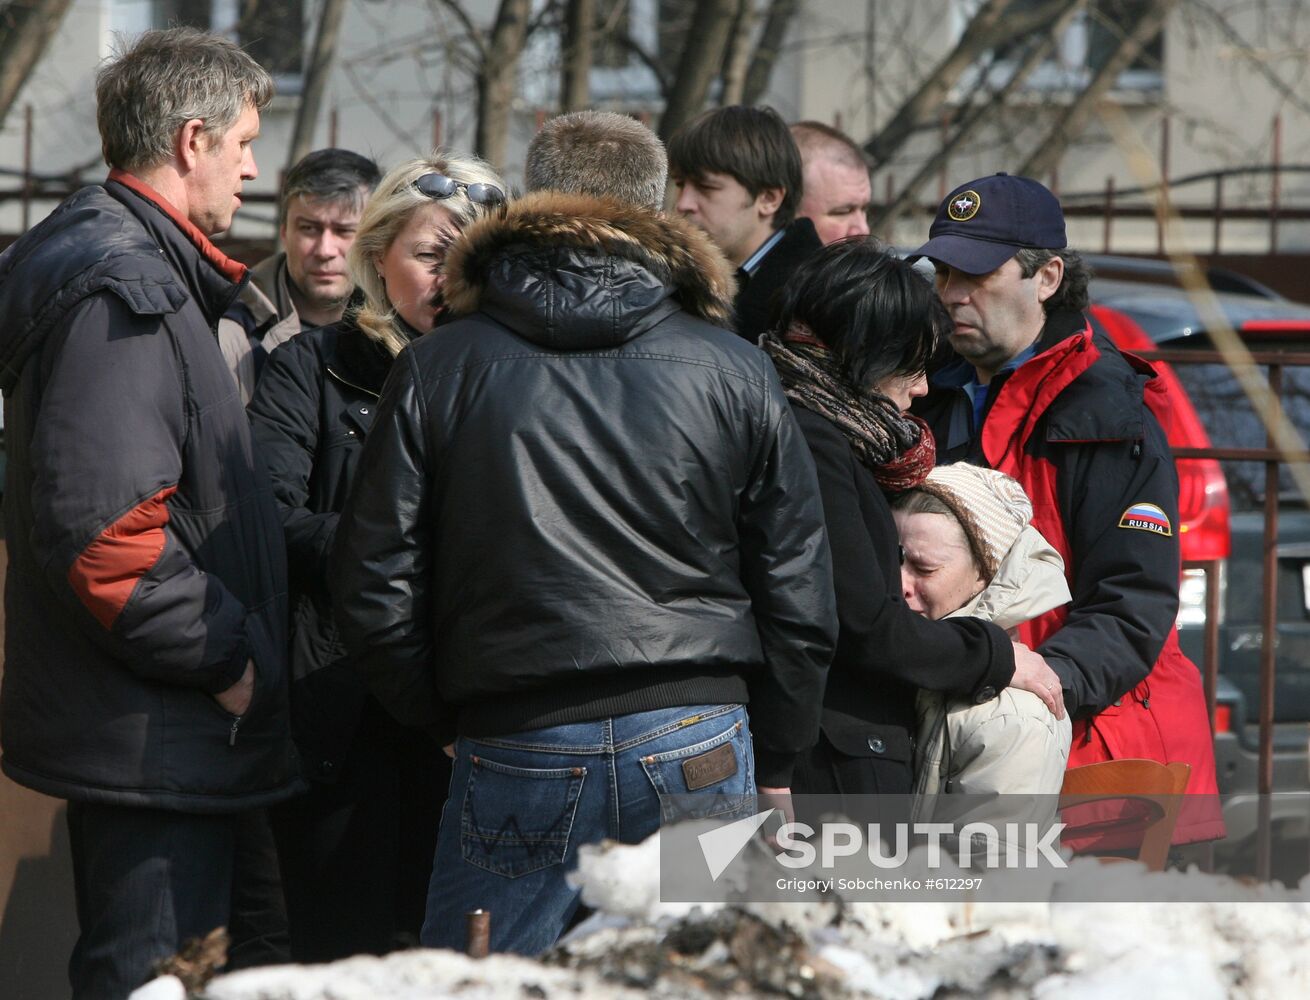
978,392
1013,363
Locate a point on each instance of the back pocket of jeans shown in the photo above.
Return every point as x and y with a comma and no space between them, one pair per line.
517,820
712,777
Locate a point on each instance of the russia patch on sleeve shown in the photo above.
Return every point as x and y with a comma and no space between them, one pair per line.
1146,517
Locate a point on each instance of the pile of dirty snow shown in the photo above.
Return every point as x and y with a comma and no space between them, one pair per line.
1251,945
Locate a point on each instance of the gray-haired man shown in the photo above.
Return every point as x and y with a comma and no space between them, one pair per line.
306,285
145,675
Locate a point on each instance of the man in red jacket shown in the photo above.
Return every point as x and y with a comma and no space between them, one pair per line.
1034,393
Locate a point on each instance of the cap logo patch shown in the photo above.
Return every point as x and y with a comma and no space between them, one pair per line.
1146,517
964,206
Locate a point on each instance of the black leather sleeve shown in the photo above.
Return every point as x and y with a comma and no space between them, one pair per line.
787,569
383,554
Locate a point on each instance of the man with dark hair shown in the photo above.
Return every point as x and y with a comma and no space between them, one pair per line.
518,566
1042,395
307,284
837,189
738,175
146,601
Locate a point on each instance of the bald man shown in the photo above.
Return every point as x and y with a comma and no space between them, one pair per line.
836,190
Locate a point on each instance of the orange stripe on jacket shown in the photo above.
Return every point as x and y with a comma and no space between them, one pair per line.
107,571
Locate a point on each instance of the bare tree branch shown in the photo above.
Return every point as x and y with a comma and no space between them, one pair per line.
470,29
649,60
1285,90
28,31
547,17
1039,48
933,90
766,52
403,134
320,64
579,23
986,30
699,63
497,76
738,56
1021,23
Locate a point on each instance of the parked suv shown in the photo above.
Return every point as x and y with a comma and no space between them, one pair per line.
1222,517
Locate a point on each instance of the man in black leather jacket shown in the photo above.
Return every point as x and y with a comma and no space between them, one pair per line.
585,531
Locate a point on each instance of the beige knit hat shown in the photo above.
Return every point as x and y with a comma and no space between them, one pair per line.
991,507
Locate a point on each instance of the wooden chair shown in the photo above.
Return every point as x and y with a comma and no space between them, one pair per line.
1153,788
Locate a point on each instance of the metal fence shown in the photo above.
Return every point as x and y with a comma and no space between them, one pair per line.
1273,458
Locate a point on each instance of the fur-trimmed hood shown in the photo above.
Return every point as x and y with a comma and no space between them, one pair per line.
579,273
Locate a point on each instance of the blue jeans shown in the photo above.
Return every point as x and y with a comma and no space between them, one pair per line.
521,805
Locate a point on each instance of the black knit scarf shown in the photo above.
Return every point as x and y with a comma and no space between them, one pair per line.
896,447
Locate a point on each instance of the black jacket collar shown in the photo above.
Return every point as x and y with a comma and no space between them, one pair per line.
799,242
213,279
359,358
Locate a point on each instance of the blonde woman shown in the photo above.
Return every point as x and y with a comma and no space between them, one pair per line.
356,852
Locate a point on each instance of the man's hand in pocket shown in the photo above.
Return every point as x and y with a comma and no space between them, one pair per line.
236,699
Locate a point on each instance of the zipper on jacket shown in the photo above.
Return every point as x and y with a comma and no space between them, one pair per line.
232,735
347,382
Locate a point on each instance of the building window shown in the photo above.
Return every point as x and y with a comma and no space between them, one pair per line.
272,31
617,75
1086,45
1104,22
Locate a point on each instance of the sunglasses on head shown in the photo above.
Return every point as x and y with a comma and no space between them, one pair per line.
440,186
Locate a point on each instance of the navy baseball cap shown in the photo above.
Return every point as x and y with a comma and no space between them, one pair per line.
982,224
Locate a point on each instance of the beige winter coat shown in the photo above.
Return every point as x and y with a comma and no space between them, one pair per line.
1011,744
268,297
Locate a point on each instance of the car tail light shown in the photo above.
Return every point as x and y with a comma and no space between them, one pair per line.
1192,593
1203,510
1277,327
1223,719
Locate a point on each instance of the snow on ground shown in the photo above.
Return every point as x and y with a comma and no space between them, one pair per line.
1249,947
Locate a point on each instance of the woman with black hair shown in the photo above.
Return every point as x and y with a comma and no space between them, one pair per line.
853,333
